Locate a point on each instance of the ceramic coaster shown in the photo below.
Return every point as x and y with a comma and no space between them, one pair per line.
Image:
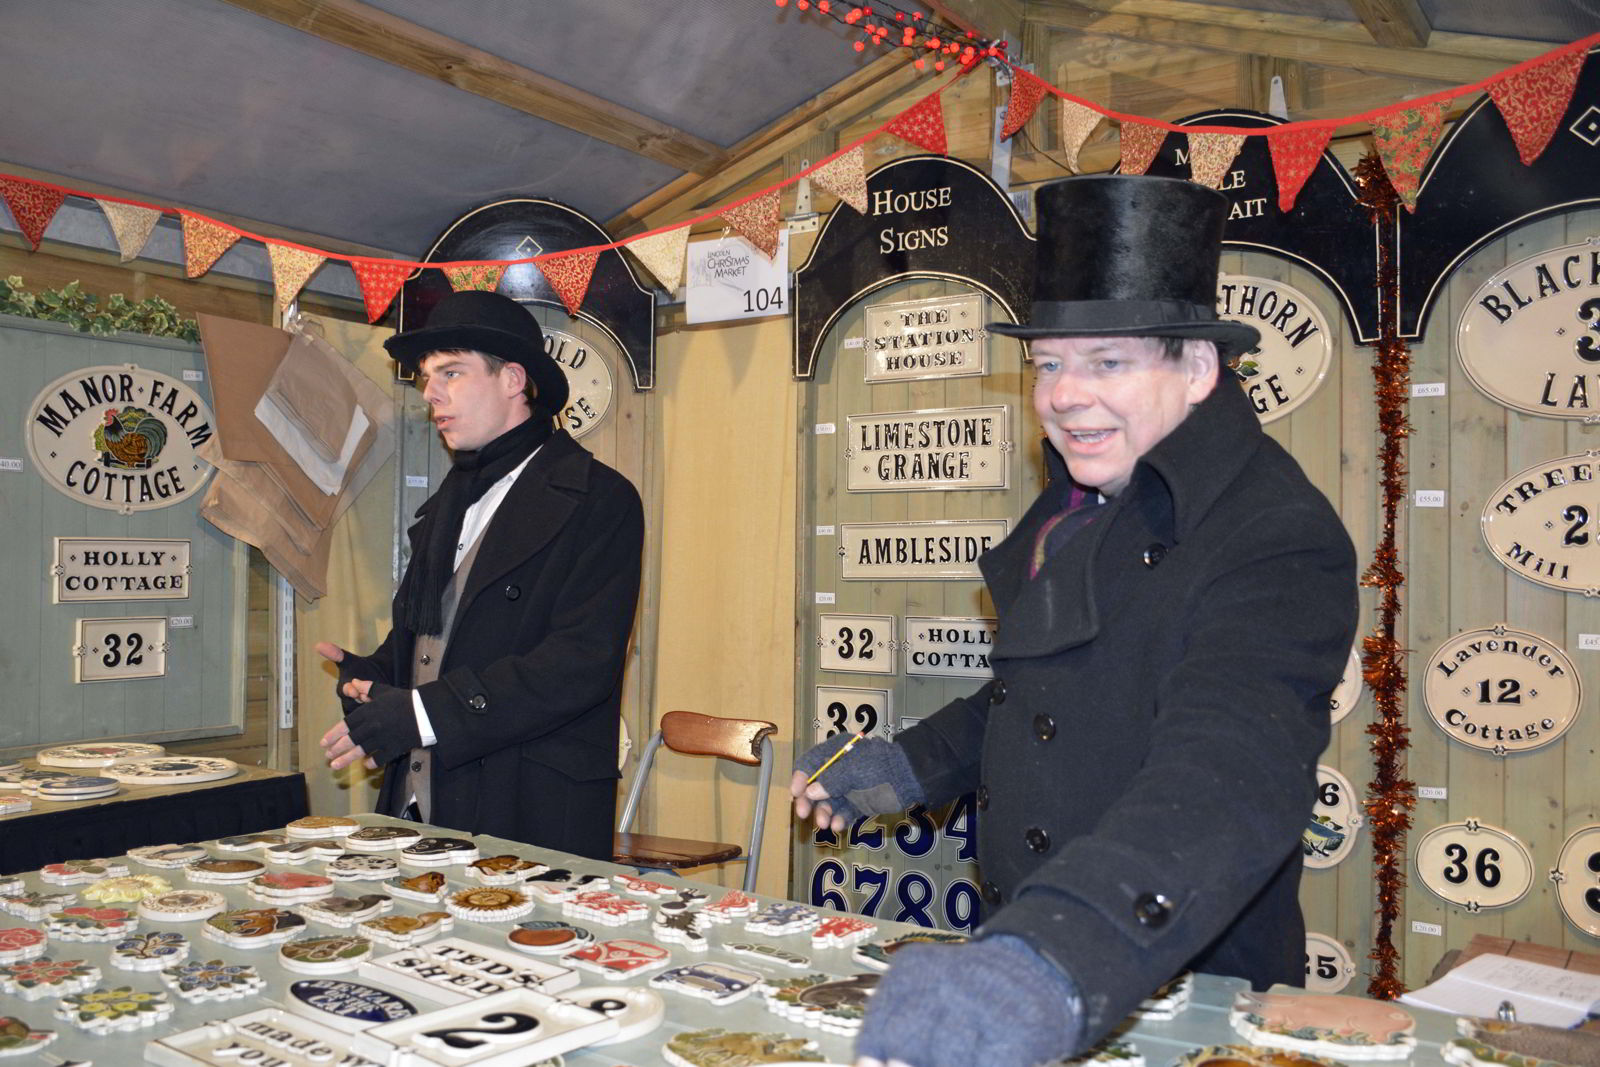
223,872
503,870
544,937
168,857
36,906
606,908
45,977
452,970
721,1048
404,931
842,931
182,905
294,853
17,1037
253,927
345,912
1533,1044
9,764
1350,1028
834,1005
314,827
76,872
1109,1053
620,959
733,905
1168,1001
10,805
777,919
78,787
637,1011
171,770
423,888
558,884
380,838
489,905
103,1011
1245,1056
505,1030
289,887
324,955
198,981
877,954
439,852
251,842
152,951
84,923
94,754
353,867
643,887
345,1005
779,957
682,927
18,776
715,982
21,943
129,889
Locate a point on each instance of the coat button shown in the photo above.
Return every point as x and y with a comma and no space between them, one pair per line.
1044,727
1037,839
426,659
983,798
997,695
1152,910
989,892
1155,554
478,702
416,766
512,592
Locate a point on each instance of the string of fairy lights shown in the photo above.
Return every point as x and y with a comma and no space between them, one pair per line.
885,25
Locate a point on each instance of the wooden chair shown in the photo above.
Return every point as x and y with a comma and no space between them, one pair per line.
746,741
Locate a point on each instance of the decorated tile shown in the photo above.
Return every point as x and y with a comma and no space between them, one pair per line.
779,957
620,958
605,907
18,1037
1350,1028
17,777
14,805
1109,1053
172,770
355,867
253,927
426,888
636,1010
168,857
105,1011
1245,1056
75,787
504,869
344,912
835,1005
547,937
92,923
289,887
313,827
7,764
1518,1044
153,950
717,983
129,889
251,842
782,918
1168,1001
223,872
345,1005
643,887
199,981
324,955
403,931
452,970
557,884
877,955
182,905
842,931
95,753
81,872
36,906
21,943
507,1029
295,853
721,1048
46,977
10,885
489,904
439,852
380,838
681,927
266,1036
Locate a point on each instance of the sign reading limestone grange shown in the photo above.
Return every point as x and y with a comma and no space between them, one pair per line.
940,337
1292,359
119,568
1502,690
937,550
1544,524
940,448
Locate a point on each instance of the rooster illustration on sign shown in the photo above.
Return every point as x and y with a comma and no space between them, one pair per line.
130,439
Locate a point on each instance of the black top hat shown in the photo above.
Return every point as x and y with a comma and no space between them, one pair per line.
1130,256
491,323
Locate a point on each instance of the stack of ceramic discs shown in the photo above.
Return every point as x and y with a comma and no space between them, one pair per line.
71,787
17,778
172,770
95,754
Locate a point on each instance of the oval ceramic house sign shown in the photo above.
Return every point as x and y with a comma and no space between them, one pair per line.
1474,865
589,382
1502,690
1530,335
1544,524
1292,358
120,438
1577,879
1330,833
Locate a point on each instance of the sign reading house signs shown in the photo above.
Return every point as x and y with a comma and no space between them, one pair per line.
940,337
948,647
1544,524
939,448
1502,690
1294,353
119,568
120,438
1530,335
588,381
936,550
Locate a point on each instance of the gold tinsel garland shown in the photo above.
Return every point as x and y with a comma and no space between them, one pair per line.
1390,795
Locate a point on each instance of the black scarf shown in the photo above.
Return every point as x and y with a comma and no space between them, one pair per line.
471,475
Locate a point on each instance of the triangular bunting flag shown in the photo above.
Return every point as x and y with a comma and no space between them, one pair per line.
1077,123
1295,154
1140,143
757,222
131,224
569,274
1210,156
380,280
1533,100
846,178
33,205
1404,139
485,276
204,242
290,269
662,255
922,124
1026,92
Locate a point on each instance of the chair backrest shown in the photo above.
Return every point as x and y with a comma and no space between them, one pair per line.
707,735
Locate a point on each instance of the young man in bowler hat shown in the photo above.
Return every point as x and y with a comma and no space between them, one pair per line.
1175,610
493,704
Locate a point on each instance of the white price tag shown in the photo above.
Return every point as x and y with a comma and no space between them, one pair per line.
825,531
416,481
194,375
1427,928
9,464
1589,642
824,427
824,598
1430,498
181,622
1432,792
852,342
1428,389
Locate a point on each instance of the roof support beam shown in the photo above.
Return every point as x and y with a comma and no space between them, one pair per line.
1396,23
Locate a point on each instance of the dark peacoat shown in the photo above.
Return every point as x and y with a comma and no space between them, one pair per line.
1145,757
527,705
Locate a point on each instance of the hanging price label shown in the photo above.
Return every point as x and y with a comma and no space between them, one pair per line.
729,279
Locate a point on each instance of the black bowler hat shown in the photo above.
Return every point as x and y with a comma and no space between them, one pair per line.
1130,256
491,323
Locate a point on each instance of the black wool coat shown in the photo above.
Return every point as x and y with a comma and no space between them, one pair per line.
1145,757
527,705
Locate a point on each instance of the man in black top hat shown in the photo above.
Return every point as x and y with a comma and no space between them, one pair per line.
493,704
1175,610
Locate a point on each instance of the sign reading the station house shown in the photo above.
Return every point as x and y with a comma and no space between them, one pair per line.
1474,865
949,647
1544,524
120,438
940,337
938,448
119,568
588,381
1335,818
1295,350
1530,335
1502,690
1329,967
115,650
863,644
842,709
939,549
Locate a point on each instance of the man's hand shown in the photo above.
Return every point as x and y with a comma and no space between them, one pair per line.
873,778
814,798
339,750
356,689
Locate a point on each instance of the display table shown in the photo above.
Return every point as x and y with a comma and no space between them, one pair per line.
1204,1022
254,799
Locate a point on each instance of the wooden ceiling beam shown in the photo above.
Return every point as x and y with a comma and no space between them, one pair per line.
1395,23
374,32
